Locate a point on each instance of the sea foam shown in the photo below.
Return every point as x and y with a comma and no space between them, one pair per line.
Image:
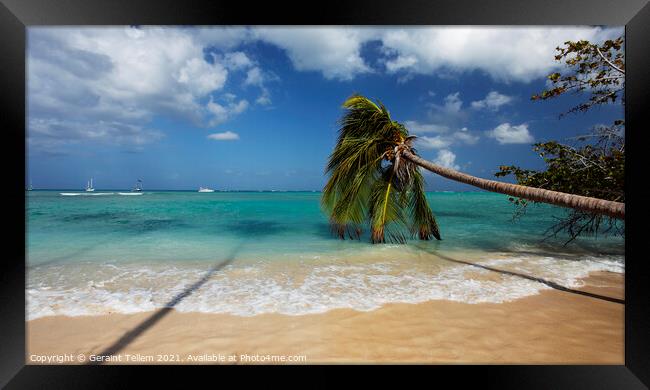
294,288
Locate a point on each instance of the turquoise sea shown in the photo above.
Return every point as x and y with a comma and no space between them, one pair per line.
260,252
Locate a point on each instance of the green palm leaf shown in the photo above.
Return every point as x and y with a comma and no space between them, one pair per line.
370,183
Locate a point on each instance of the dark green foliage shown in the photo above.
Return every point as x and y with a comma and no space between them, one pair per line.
369,181
599,70
595,169
592,165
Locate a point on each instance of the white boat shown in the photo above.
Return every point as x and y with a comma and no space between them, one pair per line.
89,186
129,193
138,186
205,189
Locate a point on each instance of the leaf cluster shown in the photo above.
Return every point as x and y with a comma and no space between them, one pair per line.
598,69
594,167
370,183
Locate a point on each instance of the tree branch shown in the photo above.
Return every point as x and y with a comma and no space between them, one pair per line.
608,61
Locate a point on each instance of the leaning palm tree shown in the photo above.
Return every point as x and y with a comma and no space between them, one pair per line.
371,182
374,177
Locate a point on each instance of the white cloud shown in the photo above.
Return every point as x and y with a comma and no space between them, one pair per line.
49,134
508,134
448,114
447,159
401,62
259,78
443,141
222,38
254,77
86,78
419,128
201,78
492,101
465,136
453,102
236,60
504,53
437,142
222,113
225,136
333,51
264,99
508,53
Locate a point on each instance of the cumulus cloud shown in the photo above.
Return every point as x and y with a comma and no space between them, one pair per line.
448,114
508,134
333,51
92,77
444,117
447,159
466,136
222,113
493,101
419,128
106,84
265,98
225,136
258,78
50,134
504,53
452,102
235,60
437,142
462,136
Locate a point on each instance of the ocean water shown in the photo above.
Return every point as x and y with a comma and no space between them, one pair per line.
247,253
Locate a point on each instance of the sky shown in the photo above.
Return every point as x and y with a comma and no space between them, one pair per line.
257,108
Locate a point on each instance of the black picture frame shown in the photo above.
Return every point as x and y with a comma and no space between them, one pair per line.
17,15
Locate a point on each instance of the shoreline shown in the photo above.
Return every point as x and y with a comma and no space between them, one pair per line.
363,279
551,327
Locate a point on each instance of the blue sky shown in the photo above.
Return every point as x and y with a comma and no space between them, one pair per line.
257,108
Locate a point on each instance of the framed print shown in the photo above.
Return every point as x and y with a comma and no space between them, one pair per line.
442,185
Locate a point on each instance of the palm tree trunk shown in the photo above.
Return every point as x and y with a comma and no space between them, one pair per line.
583,203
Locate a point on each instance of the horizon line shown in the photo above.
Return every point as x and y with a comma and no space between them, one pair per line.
195,190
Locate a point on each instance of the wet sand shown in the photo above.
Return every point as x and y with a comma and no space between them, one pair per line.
552,327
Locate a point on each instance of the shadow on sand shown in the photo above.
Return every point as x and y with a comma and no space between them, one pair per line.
528,277
134,333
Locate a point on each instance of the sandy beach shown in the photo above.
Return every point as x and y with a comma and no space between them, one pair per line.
552,327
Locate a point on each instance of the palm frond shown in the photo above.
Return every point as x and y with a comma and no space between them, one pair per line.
386,210
369,182
424,223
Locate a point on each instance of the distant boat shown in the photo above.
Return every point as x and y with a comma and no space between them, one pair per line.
205,189
89,186
138,186
30,186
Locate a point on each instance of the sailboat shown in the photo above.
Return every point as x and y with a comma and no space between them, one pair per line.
89,188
